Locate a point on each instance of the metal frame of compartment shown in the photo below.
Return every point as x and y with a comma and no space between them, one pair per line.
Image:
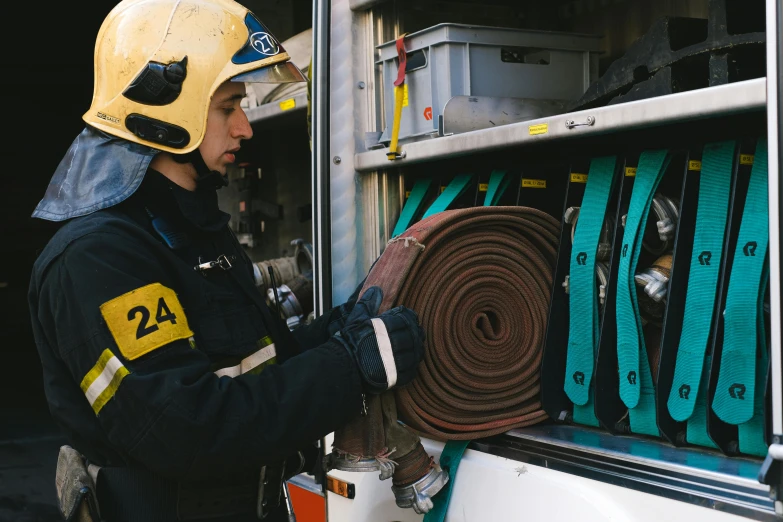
358,194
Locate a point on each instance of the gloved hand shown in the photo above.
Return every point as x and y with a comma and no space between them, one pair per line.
339,315
387,348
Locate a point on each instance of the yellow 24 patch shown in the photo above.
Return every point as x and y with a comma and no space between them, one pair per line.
145,319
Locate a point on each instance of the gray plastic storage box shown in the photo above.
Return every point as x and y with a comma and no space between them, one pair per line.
517,74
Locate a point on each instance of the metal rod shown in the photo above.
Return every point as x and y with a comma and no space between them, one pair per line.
274,291
322,279
321,197
773,144
700,104
289,506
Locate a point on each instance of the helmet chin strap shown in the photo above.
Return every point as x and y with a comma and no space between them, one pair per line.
207,179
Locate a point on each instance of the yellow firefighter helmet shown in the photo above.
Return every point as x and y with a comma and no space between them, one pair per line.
159,62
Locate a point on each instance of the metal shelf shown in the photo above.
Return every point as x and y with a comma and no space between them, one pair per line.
278,108
692,105
689,474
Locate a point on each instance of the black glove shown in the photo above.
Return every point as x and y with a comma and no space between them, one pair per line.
387,348
326,326
339,315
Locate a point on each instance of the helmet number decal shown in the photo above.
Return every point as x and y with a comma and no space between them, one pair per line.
260,45
264,43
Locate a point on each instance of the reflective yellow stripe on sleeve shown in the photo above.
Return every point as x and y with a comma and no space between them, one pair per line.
102,381
253,363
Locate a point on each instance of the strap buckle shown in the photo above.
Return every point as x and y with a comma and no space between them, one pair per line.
223,262
270,489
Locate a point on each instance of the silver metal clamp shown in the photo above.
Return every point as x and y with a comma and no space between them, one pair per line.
419,494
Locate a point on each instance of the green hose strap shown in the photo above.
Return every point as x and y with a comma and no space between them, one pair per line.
412,205
447,197
634,371
751,433
744,345
643,417
449,460
711,216
585,414
498,183
696,428
583,299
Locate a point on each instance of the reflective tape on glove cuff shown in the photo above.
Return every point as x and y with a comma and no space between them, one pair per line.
385,349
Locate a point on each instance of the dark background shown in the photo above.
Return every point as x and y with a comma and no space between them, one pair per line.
45,87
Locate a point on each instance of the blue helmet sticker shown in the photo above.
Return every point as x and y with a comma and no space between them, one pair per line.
261,44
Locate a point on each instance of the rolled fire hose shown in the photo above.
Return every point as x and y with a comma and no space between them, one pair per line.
667,211
605,240
296,297
480,374
602,255
285,269
659,239
303,255
652,285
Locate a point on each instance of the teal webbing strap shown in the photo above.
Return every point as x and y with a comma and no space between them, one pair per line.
449,460
643,417
738,379
583,301
751,433
585,414
711,214
696,428
412,205
498,183
452,192
634,369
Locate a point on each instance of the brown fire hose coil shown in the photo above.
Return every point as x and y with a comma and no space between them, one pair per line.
482,294
480,280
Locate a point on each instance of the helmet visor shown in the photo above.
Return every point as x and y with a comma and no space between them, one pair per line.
285,72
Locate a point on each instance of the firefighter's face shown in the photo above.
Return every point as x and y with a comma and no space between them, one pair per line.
227,126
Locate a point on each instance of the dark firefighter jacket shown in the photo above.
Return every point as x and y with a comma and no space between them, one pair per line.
131,336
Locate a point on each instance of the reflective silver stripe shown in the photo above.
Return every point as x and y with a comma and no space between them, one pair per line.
248,363
384,346
104,380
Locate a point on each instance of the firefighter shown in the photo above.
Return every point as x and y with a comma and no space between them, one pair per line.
182,395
